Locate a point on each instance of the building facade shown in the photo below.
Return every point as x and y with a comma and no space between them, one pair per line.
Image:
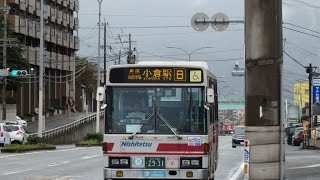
231,114
61,43
301,94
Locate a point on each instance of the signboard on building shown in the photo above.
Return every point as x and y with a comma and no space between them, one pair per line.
315,90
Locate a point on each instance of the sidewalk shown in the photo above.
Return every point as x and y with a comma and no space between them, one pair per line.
55,121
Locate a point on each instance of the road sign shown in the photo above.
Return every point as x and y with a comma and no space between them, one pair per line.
315,90
246,158
200,26
222,22
4,72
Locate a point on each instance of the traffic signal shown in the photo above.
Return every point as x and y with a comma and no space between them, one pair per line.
17,73
315,122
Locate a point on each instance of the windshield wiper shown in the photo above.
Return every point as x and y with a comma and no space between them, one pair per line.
134,133
138,129
169,125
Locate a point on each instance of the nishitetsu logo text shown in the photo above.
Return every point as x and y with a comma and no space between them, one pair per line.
135,144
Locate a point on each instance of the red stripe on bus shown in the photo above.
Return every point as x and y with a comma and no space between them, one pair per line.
110,146
179,147
162,153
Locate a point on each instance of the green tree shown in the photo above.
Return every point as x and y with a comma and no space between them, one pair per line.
15,59
87,74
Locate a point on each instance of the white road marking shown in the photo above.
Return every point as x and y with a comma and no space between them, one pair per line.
237,174
88,157
58,163
304,167
38,152
16,172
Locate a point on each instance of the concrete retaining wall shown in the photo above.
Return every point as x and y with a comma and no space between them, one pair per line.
76,134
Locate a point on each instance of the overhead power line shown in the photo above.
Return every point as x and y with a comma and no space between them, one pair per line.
294,59
302,27
301,32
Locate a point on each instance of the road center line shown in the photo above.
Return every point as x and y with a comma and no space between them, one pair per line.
304,167
238,172
59,163
16,172
38,152
88,157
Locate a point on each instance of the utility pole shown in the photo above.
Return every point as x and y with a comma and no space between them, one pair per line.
119,56
309,70
99,74
4,78
105,54
264,59
40,115
129,59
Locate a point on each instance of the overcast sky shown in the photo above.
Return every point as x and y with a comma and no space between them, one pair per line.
158,24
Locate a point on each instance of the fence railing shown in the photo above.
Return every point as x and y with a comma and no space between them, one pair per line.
70,126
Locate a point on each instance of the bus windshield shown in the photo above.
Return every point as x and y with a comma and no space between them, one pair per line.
160,110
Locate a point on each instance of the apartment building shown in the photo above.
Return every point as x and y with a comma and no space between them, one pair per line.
61,43
301,94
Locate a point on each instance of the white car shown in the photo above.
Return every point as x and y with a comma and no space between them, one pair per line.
21,121
18,134
4,135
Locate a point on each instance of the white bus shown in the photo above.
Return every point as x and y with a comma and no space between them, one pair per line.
161,121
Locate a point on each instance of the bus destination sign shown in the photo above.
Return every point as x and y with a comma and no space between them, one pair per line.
156,75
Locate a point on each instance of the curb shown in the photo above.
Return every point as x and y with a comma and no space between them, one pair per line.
25,150
88,145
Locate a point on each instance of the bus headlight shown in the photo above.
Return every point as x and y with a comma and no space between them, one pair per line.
195,162
124,161
190,162
185,162
115,161
119,162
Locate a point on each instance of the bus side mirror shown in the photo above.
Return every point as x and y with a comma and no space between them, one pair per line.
100,94
210,95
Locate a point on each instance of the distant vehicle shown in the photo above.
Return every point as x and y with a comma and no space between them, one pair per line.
297,138
295,131
4,135
11,123
21,121
238,135
18,121
18,134
290,132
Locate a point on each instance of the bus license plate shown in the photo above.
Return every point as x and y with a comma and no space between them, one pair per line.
155,162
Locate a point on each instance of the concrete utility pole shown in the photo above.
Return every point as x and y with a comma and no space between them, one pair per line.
105,54
4,78
40,115
129,59
263,54
119,57
99,73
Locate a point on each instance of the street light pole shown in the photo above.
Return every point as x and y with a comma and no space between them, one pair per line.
98,79
40,116
189,54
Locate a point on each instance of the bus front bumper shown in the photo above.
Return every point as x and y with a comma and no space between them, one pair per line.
110,173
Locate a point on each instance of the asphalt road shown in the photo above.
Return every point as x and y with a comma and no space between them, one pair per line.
66,163
70,163
302,164
230,160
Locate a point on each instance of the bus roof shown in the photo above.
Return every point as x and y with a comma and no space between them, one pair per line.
201,64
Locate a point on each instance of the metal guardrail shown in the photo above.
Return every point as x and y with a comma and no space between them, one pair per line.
68,127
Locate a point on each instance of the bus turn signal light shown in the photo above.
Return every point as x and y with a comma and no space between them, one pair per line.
206,147
105,147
